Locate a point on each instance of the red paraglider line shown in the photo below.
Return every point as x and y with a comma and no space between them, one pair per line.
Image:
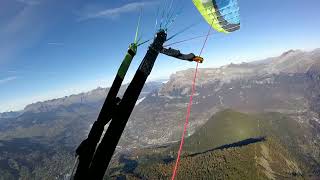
188,111
185,125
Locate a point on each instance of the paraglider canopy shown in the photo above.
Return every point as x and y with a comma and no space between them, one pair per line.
222,15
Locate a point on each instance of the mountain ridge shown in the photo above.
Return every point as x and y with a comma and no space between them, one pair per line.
292,61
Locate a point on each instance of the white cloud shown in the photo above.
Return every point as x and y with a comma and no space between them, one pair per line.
115,12
55,43
29,2
8,79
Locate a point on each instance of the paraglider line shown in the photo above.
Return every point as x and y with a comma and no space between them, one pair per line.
185,40
156,23
182,31
136,41
185,124
163,12
143,42
173,17
188,110
205,42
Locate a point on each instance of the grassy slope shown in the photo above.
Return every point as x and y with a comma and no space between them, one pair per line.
277,157
223,128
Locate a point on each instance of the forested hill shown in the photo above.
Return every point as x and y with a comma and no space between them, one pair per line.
232,145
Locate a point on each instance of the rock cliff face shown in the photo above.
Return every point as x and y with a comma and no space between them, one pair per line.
94,98
286,84
291,62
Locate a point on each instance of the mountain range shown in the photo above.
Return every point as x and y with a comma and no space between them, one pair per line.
285,88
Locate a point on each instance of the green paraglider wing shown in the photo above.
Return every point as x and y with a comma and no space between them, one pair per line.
222,15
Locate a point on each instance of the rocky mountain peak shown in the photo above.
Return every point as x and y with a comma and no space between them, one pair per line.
88,98
93,98
289,52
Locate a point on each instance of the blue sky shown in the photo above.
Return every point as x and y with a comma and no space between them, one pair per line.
53,48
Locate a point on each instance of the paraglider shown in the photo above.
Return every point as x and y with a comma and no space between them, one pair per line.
222,15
